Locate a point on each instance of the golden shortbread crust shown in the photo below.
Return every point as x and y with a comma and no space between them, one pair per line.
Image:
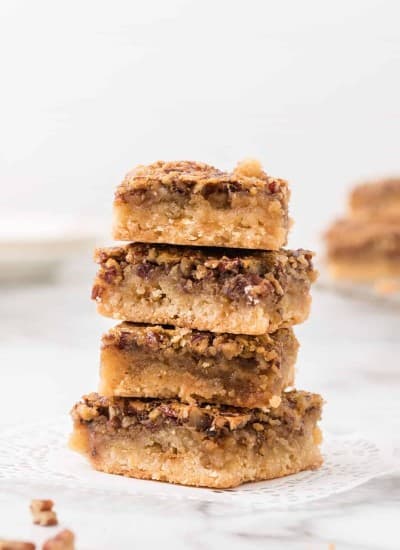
194,366
206,446
235,291
187,203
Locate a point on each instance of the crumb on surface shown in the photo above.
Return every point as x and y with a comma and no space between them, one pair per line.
16,545
250,168
64,540
43,513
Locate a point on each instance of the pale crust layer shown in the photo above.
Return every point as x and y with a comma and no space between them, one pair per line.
235,291
201,446
189,203
194,366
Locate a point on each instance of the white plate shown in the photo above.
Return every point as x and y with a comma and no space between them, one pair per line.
361,291
32,246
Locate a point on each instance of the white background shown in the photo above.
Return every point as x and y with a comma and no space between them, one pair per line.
90,88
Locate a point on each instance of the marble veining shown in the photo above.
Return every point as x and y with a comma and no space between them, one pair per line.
49,351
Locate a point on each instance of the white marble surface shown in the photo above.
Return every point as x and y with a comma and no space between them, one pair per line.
49,355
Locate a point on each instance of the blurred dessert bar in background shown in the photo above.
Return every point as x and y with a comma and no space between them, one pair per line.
364,246
191,203
221,290
376,201
201,445
194,366
363,251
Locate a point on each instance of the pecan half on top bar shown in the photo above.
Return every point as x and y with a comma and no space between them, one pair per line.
236,291
194,366
188,203
198,445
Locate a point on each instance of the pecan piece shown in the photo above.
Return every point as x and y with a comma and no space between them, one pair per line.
43,513
64,540
16,545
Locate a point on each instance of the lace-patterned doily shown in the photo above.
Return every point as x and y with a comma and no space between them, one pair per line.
38,455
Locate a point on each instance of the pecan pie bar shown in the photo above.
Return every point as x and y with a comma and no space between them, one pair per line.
361,251
193,366
377,201
192,203
205,445
236,291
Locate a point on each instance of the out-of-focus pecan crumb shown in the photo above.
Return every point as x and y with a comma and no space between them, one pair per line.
43,513
64,540
250,168
16,545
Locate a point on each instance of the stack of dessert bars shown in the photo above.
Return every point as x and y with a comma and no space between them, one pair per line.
194,381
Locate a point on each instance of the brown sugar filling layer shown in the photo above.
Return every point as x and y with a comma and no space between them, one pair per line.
190,203
194,366
236,291
198,445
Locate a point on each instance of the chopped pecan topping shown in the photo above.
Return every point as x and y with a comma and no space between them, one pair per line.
239,274
144,270
131,336
97,292
177,181
153,413
258,427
